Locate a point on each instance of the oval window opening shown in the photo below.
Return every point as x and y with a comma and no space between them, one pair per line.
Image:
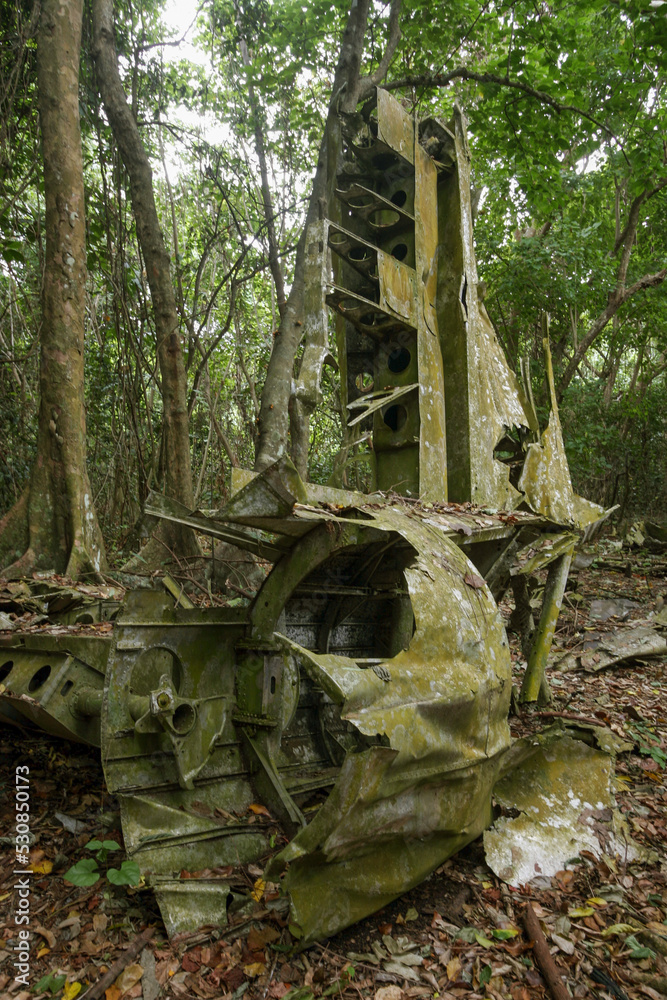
398,360
39,678
400,251
361,201
5,670
364,382
383,218
395,417
360,254
399,198
67,686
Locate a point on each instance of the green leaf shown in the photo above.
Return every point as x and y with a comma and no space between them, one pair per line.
94,845
638,951
484,941
50,982
504,933
129,873
485,974
110,845
83,873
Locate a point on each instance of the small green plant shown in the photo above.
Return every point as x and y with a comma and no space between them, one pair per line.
647,742
87,871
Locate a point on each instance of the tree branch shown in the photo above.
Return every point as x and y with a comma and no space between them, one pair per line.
616,299
463,73
378,76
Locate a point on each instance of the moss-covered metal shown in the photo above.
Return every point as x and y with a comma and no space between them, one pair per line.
55,682
362,696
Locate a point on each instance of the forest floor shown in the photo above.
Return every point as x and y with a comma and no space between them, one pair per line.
605,919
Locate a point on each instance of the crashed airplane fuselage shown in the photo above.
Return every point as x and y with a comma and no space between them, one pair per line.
362,697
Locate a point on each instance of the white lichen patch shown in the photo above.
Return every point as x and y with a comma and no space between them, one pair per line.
553,791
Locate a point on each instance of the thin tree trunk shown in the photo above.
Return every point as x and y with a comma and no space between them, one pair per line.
176,434
53,525
348,89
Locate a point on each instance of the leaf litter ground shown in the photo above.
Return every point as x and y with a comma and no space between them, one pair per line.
458,934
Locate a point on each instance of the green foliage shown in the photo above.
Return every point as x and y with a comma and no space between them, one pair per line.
51,982
556,182
86,872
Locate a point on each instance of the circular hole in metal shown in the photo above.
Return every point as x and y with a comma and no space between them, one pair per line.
347,305
39,678
361,201
400,251
384,160
5,670
364,382
84,619
337,239
383,218
399,198
183,719
360,254
66,688
398,360
395,417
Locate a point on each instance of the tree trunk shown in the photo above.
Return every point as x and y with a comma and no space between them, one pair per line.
53,525
274,417
171,538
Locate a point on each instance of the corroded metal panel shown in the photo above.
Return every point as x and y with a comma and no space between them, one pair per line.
395,126
432,435
398,287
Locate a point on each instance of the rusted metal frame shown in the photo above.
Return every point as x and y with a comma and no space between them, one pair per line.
297,565
170,510
270,786
534,678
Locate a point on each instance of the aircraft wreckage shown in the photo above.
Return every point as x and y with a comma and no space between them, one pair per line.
362,697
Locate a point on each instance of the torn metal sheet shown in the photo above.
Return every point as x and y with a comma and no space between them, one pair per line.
362,697
563,793
612,648
56,683
439,709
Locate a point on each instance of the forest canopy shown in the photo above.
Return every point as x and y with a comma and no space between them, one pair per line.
219,126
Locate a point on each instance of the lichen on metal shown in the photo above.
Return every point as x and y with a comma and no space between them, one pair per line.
558,800
362,696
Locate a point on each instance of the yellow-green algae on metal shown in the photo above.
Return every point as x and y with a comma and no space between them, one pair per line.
398,810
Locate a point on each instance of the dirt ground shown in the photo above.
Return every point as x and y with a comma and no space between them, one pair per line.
460,933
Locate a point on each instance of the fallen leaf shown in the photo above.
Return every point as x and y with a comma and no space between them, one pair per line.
254,970
259,810
48,936
44,868
258,889
128,978
618,929
71,990
581,911
389,993
453,969
473,581
563,944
